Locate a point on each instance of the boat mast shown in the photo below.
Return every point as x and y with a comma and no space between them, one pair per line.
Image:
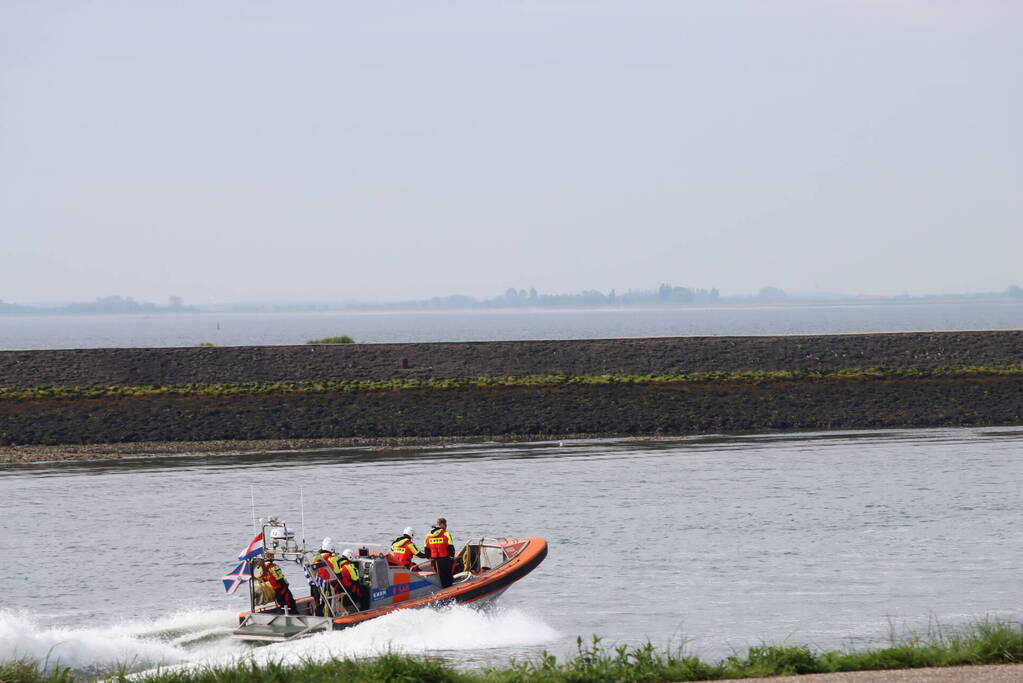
301,499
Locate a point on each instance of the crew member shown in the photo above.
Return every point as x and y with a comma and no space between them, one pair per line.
404,549
442,551
327,567
351,581
266,570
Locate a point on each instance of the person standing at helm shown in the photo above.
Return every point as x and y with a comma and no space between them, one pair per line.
404,549
350,579
266,570
442,551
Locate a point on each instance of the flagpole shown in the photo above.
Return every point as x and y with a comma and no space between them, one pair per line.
301,498
252,501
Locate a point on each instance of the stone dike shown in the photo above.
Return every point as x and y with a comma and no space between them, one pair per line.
522,389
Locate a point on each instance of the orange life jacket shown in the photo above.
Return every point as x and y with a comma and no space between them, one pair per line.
348,573
404,550
438,542
272,574
330,560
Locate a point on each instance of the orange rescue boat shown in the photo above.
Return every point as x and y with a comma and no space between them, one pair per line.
486,567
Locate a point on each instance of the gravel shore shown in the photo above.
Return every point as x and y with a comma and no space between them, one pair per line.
997,673
107,451
659,355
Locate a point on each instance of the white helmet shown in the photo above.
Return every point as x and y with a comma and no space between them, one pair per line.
328,544
408,532
348,554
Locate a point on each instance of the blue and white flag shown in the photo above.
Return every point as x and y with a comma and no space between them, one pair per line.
240,575
314,578
243,572
254,548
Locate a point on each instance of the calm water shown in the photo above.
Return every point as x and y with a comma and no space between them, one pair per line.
92,331
824,539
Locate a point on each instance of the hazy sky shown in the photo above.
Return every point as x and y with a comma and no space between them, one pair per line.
240,150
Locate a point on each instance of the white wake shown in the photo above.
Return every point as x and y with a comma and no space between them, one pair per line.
130,644
198,638
417,631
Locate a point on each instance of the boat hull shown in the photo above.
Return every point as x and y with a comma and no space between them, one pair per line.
476,590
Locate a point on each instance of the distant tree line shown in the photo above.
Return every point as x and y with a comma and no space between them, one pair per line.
520,298
9,309
104,304
663,295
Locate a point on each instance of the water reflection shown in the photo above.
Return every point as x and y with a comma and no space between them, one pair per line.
489,450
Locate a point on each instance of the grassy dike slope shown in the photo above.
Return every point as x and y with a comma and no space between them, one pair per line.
631,386
989,642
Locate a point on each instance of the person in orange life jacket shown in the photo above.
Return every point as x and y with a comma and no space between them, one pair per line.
404,549
442,551
327,566
349,575
266,570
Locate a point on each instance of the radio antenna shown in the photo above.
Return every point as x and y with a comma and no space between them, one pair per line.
301,498
252,501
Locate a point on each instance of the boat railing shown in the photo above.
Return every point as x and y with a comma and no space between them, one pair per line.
279,540
329,599
279,543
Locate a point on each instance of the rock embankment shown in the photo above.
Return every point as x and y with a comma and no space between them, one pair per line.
659,355
921,388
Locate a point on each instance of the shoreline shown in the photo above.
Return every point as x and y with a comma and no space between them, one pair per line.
40,453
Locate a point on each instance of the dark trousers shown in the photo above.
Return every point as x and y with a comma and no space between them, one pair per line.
285,598
442,565
314,590
359,594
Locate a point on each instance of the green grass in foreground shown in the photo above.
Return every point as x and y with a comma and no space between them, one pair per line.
988,642
730,376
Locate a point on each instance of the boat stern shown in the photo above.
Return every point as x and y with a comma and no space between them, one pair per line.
275,628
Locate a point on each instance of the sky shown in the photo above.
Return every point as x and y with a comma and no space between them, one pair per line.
330,150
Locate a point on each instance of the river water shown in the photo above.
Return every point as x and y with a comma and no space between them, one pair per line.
233,329
718,541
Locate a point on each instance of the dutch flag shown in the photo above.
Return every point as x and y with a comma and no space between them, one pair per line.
253,549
